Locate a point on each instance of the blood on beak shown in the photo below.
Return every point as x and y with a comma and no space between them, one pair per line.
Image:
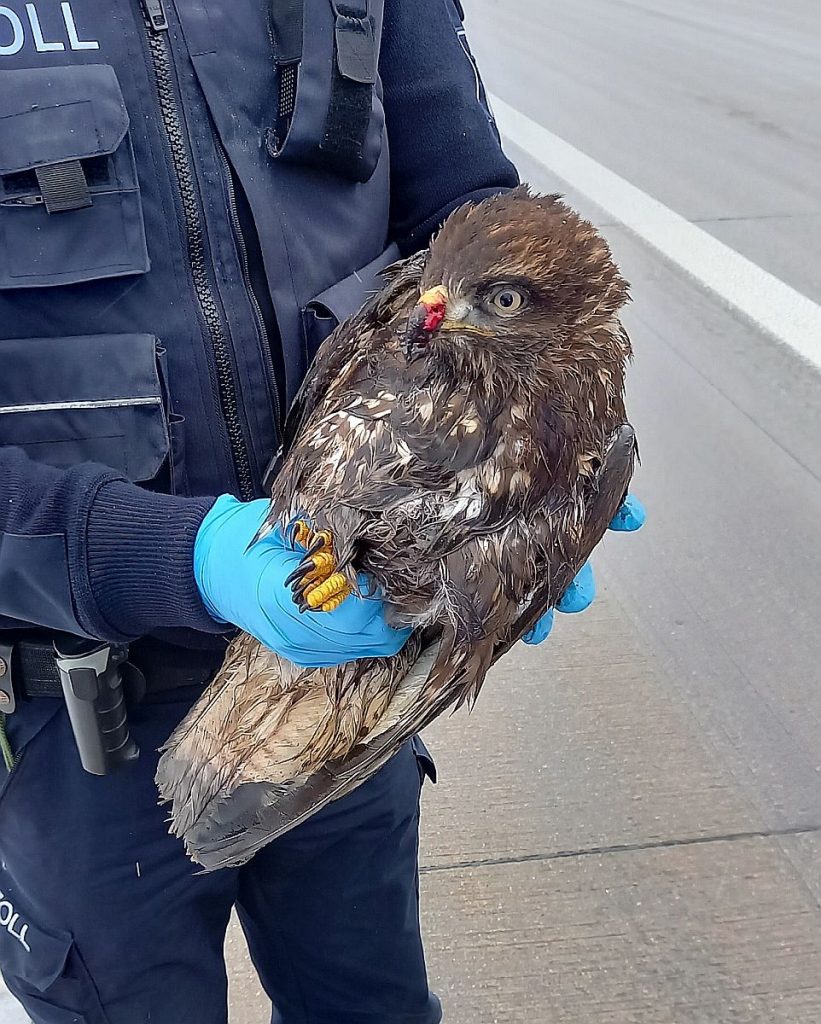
426,317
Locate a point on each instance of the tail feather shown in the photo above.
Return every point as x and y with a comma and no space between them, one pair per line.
269,744
227,732
258,812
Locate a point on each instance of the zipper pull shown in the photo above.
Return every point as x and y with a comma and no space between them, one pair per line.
155,12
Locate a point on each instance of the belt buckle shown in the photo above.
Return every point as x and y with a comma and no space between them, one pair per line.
8,702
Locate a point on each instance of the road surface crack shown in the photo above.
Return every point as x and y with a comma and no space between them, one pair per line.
597,851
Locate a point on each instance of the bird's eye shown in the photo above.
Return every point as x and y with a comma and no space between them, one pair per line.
506,300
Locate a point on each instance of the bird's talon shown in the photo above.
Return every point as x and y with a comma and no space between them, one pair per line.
333,587
316,545
296,577
316,584
318,566
302,533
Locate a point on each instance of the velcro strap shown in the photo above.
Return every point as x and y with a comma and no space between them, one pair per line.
286,28
63,186
343,137
355,43
36,671
349,113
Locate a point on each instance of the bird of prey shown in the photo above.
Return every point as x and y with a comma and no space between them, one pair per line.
462,442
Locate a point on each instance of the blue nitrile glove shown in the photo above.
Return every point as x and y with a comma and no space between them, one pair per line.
582,591
245,586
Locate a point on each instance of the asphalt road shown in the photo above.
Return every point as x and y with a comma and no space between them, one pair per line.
628,828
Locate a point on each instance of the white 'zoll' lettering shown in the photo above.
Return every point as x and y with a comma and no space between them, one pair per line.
21,935
71,28
8,920
37,32
17,35
10,20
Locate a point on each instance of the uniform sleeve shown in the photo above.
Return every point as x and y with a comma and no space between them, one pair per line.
445,148
83,551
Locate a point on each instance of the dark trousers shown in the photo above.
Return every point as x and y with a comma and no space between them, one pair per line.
103,920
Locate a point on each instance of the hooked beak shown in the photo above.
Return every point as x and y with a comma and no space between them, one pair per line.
426,317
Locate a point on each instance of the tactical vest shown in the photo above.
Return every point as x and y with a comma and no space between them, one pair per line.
162,165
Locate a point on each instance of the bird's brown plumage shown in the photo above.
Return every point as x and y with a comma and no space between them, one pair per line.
469,466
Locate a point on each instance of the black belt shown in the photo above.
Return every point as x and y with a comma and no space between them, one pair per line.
28,669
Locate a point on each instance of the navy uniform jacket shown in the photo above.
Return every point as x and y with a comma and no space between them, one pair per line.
170,261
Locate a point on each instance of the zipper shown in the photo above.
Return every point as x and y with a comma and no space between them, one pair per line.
265,336
162,60
155,11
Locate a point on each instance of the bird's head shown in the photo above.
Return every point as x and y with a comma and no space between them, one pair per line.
514,284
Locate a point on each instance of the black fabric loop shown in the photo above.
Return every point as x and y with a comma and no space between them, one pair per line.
287,20
355,43
286,28
63,186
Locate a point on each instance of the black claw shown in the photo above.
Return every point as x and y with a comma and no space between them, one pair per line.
291,531
304,567
317,545
295,576
298,586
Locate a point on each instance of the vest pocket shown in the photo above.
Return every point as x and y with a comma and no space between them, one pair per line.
70,207
99,398
323,314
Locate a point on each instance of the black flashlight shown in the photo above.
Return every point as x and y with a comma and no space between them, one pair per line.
92,676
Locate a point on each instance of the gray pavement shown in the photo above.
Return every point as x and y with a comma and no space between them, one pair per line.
628,830
711,106
628,827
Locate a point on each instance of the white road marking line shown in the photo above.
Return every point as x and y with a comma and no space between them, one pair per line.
784,313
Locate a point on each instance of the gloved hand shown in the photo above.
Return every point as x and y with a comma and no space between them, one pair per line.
245,586
582,591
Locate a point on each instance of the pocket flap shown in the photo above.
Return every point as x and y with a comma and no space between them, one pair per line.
328,309
51,115
424,758
86,399
347,296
